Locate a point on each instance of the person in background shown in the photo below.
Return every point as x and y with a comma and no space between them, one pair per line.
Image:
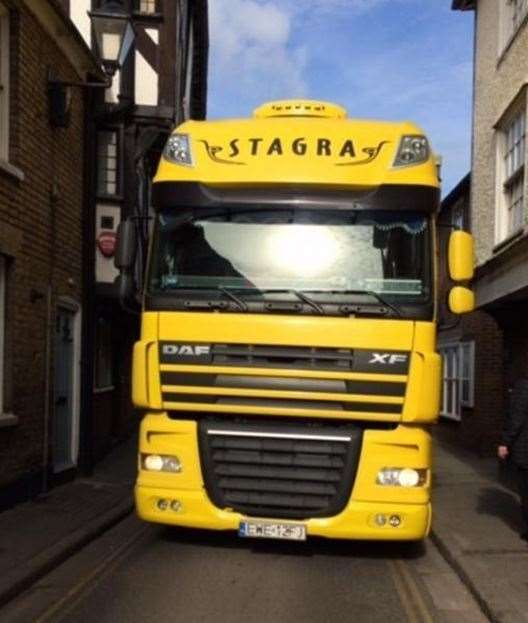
514,442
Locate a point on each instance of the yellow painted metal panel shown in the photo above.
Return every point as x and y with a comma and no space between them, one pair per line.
270,393
357,154
286,411
274,329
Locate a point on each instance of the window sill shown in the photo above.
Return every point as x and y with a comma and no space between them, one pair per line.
8,420
103,390
11,170
507,242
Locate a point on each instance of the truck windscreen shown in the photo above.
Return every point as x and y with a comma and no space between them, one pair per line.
323,253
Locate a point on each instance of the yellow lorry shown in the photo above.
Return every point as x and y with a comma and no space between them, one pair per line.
287,368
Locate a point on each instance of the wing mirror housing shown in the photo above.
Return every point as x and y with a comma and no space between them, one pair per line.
125,255
125,262
460,256
461,300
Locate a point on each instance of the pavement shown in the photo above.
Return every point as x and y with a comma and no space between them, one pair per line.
475,527
38,536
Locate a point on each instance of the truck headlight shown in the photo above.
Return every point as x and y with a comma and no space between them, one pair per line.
178,150
413,149
401,477
161,463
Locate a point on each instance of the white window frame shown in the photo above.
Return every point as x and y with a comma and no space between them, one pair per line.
189,73
4,83
2,328
511,174
108,163
148,7
460,353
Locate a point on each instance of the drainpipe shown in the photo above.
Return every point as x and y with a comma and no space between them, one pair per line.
86,432
47,391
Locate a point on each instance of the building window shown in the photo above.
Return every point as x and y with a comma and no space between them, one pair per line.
104,372
148,6
4,83
458,374
513,184
108,183
457,216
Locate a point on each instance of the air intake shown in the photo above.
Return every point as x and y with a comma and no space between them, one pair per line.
300,108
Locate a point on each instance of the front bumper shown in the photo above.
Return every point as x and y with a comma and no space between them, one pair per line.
405,446
356,521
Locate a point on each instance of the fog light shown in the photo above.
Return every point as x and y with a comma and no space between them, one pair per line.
161,463
394,521
175,505
380,519
163,504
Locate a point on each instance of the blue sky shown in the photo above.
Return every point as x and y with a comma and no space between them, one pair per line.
389,59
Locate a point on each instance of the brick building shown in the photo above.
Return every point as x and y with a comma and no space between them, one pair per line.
162,83
497,207
471,346
42,292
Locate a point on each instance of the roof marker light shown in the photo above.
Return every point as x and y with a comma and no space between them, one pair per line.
413,149
178,150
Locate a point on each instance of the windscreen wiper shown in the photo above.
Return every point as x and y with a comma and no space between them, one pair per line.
215,304
300,295
241,304
372,293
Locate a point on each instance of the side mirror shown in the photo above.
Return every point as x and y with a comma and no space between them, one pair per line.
125,261
461,300
460,256
125,255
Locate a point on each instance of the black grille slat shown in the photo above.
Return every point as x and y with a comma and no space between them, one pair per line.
282,356
275,500
269,458
276,486
288,473
279,470
278,445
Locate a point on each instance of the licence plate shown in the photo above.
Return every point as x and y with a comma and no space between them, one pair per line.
272,530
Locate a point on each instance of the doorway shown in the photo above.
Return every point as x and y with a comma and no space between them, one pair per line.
66,388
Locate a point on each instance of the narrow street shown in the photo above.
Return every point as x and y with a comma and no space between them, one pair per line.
138,572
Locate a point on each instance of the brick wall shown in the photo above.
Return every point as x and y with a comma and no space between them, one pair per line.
480,426
40,234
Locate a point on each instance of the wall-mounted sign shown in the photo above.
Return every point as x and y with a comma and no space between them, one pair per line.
106,243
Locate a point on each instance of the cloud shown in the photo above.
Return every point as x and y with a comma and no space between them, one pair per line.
252,56
388,59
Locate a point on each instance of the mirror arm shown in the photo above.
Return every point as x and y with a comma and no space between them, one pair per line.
450,325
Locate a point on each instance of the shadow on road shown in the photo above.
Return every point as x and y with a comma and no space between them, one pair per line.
313,547
499,503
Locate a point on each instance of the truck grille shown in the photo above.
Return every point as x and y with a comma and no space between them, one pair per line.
279,471
246,377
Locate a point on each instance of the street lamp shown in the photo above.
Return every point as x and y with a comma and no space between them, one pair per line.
114,34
